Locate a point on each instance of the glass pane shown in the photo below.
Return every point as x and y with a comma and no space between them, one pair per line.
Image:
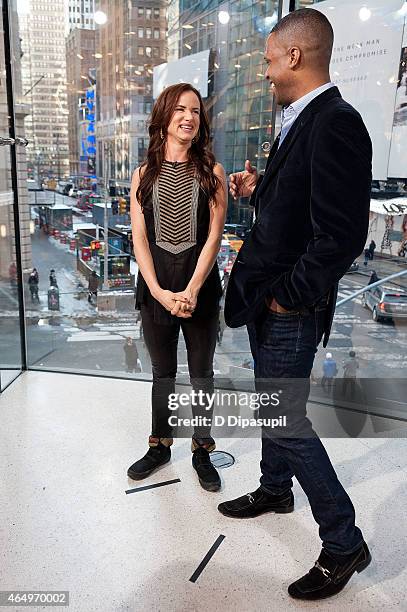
88,93
10,345
370,68
88,90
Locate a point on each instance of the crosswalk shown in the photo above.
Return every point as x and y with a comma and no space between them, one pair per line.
345,292
106,332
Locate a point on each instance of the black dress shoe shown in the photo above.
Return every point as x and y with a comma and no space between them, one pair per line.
329,576
258,502
207,474
155,456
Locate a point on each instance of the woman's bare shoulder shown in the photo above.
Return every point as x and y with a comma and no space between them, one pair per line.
138,173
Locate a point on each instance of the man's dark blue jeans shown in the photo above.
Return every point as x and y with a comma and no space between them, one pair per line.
284,347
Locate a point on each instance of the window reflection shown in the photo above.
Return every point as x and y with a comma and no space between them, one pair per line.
86,93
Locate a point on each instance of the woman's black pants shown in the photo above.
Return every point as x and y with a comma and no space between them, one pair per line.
162,344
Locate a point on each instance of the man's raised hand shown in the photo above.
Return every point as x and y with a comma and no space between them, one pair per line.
242,184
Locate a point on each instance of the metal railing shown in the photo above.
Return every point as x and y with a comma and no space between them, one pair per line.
370,286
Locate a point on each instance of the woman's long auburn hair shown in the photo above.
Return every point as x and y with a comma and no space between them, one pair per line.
198,154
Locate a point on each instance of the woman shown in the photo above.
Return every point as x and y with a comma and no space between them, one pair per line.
178,207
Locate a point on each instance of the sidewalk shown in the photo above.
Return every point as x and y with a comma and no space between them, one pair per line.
49,253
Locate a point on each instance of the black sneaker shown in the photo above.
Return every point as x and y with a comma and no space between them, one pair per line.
207,474
155,456
256,503
329,576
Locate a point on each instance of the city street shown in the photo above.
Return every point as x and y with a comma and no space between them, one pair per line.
380,347
77,337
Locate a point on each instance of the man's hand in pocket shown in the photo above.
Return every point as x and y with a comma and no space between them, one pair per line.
273,305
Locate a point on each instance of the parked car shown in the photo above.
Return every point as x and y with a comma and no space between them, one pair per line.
73,192
234,241
64,187
235,228
223,255
353,268
50,183
83,200
34,185
385,303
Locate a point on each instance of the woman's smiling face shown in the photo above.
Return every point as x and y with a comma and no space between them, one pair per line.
184,124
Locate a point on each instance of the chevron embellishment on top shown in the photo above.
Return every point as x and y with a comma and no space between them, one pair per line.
175,206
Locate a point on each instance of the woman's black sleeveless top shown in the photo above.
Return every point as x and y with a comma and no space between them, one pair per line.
177,218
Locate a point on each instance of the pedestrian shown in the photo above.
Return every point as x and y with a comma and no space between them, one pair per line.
225,281
329,371
221,325
373,277
350,368
33,280
403,249
131,356
52,278
316,190
372,247
93,286
12,272
178,207
367,257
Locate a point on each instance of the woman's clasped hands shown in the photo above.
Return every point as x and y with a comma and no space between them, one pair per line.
180,304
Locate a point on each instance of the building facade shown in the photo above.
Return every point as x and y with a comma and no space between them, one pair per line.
239,102
80,63
44,77
7,229
80,14
132,41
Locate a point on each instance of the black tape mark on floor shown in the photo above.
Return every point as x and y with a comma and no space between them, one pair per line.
153,486
206,559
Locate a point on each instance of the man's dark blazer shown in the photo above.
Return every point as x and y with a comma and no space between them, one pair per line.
312,213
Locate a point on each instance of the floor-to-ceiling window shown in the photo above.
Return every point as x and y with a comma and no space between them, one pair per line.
86,92
11,155
83,93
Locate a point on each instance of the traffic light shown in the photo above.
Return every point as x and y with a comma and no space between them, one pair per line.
95,245
122,206
115,207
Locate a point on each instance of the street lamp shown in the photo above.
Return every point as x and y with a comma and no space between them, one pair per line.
100,18
107,152
38,154
57,155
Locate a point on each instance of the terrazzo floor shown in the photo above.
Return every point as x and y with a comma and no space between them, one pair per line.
66,522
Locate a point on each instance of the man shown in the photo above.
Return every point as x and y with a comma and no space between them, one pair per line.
93,286
131,356
33,281
372,247
52,278
329,371
350,368
312,209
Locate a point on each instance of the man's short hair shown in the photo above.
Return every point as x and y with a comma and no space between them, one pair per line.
307,23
